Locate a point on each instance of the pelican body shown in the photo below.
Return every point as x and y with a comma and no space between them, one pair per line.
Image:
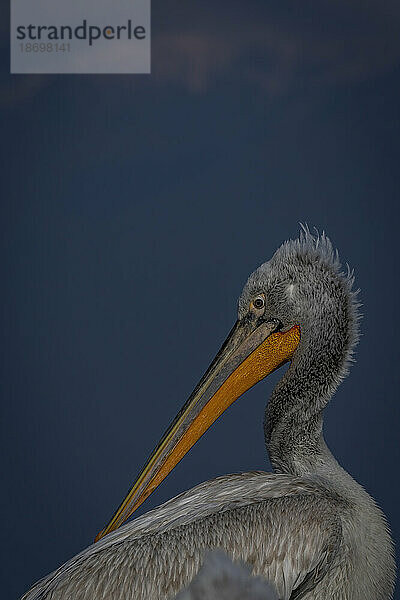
308,528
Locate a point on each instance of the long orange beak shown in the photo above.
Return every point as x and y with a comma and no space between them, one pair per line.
252,351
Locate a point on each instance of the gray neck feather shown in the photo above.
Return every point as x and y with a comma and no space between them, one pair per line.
294,415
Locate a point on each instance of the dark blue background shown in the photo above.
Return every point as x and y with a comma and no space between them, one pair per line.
133,209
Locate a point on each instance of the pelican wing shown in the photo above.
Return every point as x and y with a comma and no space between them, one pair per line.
286,528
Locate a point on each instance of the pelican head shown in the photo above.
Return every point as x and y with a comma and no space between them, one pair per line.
303,285
298,307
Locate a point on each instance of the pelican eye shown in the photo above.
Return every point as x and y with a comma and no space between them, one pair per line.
258,303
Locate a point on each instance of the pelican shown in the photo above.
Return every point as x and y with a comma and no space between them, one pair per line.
308,528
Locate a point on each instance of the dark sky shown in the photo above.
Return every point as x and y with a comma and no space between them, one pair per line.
133,209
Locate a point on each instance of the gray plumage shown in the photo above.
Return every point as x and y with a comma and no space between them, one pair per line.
309,528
